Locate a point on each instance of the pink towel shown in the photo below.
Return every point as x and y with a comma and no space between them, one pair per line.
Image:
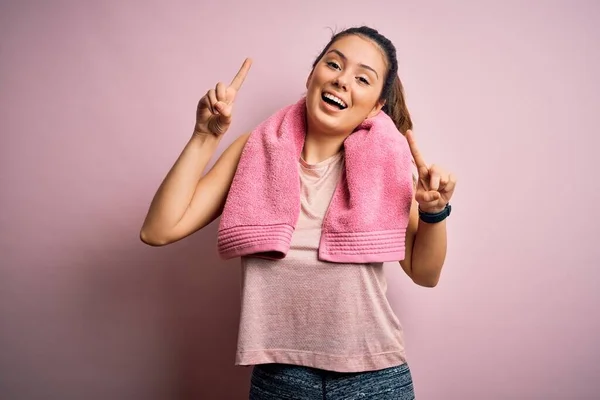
367,217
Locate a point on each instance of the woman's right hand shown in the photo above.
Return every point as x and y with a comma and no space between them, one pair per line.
213,115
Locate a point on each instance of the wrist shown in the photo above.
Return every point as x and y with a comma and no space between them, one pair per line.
431,210
434,215
205,137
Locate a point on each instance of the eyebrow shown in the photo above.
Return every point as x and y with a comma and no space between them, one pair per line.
339,53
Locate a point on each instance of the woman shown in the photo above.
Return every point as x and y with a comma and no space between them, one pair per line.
315,329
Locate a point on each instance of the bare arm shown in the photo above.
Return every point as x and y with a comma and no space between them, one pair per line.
426,244
186,201
425,250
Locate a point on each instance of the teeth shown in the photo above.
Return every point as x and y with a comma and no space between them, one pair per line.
336,99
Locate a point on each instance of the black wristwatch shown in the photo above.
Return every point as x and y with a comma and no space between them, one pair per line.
432,218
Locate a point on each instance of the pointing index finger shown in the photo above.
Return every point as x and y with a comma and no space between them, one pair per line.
239,78
419,161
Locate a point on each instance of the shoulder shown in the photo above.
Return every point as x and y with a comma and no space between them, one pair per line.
242,139
237,146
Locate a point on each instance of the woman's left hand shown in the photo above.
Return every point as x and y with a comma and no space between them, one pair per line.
434,185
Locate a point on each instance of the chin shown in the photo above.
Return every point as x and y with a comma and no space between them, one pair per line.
322,122
323,118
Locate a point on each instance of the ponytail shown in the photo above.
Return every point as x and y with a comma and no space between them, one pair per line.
395,107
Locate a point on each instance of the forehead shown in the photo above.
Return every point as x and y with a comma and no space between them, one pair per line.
362,51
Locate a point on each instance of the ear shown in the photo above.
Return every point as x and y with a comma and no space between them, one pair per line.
376,109
308,79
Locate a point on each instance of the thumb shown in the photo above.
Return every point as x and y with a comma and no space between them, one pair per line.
224,110
431,195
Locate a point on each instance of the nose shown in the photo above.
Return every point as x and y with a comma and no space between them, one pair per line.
341,82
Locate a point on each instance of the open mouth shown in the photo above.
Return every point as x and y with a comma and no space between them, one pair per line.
333,100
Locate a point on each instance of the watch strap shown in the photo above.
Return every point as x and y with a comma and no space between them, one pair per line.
433,218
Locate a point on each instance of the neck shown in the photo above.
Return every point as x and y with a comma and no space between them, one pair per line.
319,146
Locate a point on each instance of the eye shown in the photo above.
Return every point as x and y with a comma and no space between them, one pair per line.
333,64
363,80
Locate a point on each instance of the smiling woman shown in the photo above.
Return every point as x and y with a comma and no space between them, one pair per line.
315,321
344,87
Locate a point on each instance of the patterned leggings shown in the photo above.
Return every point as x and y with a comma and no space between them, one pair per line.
287,382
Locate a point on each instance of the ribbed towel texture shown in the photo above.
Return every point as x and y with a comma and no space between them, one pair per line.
368,215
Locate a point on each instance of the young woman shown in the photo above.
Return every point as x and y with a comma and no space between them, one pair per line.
314,329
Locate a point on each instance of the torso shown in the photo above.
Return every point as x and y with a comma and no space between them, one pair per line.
300,310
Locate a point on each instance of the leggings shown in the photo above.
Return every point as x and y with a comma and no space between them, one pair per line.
287,382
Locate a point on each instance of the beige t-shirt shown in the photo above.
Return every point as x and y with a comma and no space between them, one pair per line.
302,311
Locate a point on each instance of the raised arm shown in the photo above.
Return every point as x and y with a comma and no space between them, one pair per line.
187,200
426,242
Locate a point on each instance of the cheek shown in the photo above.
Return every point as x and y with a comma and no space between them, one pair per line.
313,82
366,98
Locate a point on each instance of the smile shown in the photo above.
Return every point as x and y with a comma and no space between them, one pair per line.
334,100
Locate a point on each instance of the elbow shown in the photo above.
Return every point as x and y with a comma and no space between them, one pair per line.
152,239
427,282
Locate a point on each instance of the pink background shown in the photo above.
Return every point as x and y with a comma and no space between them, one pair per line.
98,99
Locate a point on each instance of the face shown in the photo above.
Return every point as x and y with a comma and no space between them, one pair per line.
345,86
